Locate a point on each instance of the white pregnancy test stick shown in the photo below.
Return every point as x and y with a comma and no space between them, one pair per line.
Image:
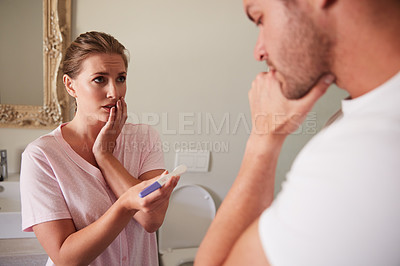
179,170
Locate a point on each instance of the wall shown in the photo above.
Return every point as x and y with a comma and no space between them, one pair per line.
190,70
21,64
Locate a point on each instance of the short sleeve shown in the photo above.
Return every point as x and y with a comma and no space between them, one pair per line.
299,230
41,195
153,156
334,210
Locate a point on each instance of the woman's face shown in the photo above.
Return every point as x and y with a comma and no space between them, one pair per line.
99,85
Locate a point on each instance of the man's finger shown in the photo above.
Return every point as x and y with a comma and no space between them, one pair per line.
320,88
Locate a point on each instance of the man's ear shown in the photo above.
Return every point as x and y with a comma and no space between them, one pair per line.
324,3
68,85
316,5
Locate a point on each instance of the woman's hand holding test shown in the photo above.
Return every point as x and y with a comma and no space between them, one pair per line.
150,212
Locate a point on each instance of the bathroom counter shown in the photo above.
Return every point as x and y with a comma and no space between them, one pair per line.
12,177
20,246
22,251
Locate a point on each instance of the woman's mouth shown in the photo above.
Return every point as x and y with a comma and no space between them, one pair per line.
108,107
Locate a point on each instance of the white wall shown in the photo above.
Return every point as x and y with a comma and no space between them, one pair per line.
21,64
188,58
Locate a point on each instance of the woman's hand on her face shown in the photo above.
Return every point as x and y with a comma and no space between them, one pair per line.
275,115
106,140
153,201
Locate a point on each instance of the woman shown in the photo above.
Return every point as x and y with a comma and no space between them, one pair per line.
80,183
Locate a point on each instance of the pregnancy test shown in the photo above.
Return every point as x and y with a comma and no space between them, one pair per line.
179,170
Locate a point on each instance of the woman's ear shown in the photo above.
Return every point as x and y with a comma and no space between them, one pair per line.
68,82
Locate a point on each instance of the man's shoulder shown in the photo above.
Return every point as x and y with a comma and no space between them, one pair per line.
363,146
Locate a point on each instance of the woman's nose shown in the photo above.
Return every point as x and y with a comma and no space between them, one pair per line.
260,53
112,91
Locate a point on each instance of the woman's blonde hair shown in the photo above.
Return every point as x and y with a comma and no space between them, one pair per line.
90,43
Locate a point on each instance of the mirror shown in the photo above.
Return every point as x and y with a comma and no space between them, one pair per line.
53,105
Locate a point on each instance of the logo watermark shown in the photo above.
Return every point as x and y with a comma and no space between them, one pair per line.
208,125
197,123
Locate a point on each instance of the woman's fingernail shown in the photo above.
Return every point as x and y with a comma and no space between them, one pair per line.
329,79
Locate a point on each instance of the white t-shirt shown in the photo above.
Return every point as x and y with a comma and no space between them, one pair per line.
57,183
340,204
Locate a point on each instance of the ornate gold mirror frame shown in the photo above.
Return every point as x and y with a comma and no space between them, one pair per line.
56,101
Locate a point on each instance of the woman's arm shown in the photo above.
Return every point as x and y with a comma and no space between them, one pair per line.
154,218
117,177
66,246
119,180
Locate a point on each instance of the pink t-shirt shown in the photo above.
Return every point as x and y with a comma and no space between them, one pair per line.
56,183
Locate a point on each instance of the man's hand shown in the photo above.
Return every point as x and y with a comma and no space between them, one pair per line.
273,117
272,113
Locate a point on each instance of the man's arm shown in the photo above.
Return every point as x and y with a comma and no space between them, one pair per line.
248,249
273,118
251,193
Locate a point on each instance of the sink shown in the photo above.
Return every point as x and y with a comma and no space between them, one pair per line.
10,211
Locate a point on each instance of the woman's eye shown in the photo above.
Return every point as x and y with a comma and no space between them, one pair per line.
121,79
99,79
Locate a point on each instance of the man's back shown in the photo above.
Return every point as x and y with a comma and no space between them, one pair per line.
343,188
340,204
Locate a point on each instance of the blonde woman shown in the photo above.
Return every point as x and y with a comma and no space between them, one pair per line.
80,183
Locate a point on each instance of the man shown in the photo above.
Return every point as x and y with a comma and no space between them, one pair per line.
340,204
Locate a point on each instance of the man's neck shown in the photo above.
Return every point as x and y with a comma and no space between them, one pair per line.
366,56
